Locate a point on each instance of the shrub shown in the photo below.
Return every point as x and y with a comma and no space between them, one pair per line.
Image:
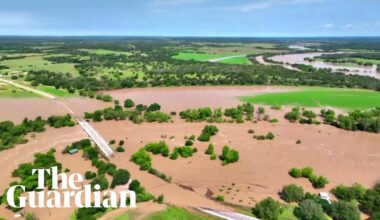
229,155
268,209
213,157
309,210
210,150
319,182
89,175
270,136
343,210
143,159
298,141
294,115
210,129
295,172
251,131
307,172
348,193
204,137
134,185
120,149
112,141
160,199
121,177
128,103
292,193
370,203
220,198
157,148
189,143
174,155
153,108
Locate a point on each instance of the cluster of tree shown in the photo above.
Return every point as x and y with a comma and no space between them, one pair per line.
11,134
351,58
357,120
141,113
310,206
144,160
308,172
24,173
184,152
61,121
369,199
207,132
269,136
211,151
158,148
306,117
229,155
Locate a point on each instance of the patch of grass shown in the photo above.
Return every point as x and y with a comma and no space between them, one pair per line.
56,92
38,63
173,213
321,97
238,60
9,91
288,213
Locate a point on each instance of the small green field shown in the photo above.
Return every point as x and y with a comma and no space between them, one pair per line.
38,63
238,60
348,99
56,92
200,56
9,91
105,52
171,213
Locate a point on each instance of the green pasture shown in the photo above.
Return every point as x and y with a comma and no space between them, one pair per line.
238,60
199,56
38,63
348,99
9,91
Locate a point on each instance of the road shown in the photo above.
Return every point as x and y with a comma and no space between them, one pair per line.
91,132
225,58
227,215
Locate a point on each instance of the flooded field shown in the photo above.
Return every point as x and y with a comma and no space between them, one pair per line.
300,59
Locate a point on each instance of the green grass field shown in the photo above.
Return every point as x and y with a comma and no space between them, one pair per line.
38,63
171,213
199,56
8,91
239,60
348,99
105,52
56,92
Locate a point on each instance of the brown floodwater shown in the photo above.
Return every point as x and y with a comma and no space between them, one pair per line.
300,59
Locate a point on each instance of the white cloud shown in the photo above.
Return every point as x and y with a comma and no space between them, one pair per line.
18,19
329,25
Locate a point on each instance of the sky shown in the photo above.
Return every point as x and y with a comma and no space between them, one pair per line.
218,18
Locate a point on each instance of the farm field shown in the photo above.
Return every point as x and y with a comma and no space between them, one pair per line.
200,56
38,63
348,99
239,60
105,52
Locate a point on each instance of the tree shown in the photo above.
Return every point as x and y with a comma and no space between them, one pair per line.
268,209
348,193
128,103
160,199
270,136
210,150
310,210
229,155
292,193
210,129
343,210
121,177
295,172
153,108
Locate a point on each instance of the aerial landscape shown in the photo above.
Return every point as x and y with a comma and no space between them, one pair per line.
199,122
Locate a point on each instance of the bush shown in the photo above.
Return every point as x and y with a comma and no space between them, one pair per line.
268,209
129,103
158,148
220,198
319,182
174,155
160,199
204,137
229,155
370,203
295,172
343,210
143,159
189,143
89,175
292,193
210,129
213,157
120,149
134,185
210,150
121,177
348,193
307,172
153,108
309,210
270,136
